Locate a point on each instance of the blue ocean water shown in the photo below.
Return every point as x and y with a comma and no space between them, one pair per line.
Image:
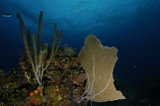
132,26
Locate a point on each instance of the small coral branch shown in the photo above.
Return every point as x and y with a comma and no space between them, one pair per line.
38,53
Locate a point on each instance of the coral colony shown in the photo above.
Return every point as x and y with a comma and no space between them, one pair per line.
52,76
98,62
40,53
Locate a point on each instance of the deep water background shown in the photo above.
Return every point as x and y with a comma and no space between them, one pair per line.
132,26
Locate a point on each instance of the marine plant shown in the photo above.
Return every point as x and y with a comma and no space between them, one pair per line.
39,53
98,62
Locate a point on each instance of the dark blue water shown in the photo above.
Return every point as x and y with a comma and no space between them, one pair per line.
133,26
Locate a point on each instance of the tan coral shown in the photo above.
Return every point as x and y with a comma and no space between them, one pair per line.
98,62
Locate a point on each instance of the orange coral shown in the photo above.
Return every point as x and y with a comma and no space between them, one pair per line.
31,94
34,100
36,91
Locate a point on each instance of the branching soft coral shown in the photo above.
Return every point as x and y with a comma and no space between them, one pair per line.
39,55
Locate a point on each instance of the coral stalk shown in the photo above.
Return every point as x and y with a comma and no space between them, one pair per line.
39,55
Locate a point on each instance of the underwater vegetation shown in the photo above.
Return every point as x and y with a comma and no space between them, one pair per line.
98,62
38,56
54,76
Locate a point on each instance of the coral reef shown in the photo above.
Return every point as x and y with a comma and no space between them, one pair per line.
53,76
45,76
64,82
